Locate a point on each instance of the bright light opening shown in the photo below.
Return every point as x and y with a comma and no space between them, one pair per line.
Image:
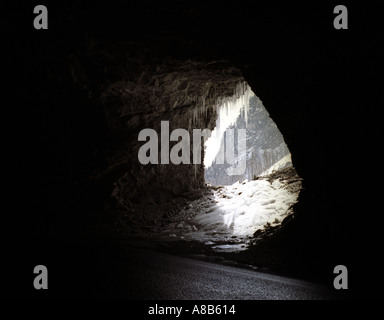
249,201
229,110
265,148
259,197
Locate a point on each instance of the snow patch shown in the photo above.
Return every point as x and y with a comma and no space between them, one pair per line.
282,163
243,208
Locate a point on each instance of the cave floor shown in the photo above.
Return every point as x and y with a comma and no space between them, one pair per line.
225,218
216,223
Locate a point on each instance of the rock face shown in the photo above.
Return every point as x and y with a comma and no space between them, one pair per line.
185,93
132,93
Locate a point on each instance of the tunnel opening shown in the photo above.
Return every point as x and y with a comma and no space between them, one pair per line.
257,152
221,206
249,169
250,185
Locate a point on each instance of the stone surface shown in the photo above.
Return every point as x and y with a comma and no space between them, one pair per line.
181,92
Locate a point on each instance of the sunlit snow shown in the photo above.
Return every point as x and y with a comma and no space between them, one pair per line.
243,208
227,218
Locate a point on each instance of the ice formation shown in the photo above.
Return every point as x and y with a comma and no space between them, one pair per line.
228,110
266,150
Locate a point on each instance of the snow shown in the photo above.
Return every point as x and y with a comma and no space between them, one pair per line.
282,163
243,208
227,218
229,247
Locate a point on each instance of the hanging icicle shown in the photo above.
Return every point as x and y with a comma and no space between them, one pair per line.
228,110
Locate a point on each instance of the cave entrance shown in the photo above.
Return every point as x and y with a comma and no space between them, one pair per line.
262,193
248,195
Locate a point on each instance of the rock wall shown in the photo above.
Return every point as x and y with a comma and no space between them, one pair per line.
181,92
134,92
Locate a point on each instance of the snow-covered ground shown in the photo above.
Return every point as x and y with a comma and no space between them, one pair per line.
246,207
228,218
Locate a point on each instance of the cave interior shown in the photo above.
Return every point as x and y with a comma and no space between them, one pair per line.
100,74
